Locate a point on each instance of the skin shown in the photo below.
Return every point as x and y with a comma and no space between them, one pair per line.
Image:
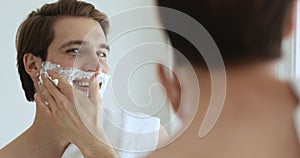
70,117
256,120
63,121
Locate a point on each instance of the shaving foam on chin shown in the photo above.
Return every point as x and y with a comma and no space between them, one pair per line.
71,74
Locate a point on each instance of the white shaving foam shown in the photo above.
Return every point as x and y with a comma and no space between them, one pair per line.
71,74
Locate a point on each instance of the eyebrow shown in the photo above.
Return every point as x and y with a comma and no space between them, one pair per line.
80,42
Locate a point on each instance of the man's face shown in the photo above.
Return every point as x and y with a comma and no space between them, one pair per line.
79,42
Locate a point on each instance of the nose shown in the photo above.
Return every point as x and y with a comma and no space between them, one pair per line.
91,63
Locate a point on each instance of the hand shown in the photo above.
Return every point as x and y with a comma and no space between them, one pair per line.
76,117
68,110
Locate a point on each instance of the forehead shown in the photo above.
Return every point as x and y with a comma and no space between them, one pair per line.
78,28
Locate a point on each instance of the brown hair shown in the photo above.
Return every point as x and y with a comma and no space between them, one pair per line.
244,31
36,33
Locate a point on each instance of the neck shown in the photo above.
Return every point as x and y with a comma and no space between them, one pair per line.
240,82
43,138
238,76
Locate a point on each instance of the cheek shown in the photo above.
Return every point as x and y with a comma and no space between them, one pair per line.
105,68
56,56
63,60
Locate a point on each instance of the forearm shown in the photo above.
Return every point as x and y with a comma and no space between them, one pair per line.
91,147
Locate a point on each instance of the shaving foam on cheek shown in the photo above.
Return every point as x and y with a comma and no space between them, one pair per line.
71,74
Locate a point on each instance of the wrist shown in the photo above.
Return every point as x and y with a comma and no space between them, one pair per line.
91,147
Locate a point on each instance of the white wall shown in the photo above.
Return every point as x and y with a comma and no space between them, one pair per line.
289,66
297,71
16,114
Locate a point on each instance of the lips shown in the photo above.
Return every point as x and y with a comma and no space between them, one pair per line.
81,83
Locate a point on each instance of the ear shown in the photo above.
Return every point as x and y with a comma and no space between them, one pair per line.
291,21
171,85
32,65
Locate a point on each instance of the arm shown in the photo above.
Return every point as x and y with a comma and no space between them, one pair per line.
93,148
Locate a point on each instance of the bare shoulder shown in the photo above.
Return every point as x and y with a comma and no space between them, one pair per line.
3,152
259,123
9,151
17,148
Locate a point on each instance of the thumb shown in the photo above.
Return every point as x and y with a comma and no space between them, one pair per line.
94,87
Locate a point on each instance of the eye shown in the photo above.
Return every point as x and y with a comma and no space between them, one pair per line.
101,54
73,50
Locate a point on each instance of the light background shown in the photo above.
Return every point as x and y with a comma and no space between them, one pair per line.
16,114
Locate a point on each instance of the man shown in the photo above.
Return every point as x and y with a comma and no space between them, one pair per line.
257,116
62,49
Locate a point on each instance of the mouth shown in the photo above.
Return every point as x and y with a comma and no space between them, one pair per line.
83,85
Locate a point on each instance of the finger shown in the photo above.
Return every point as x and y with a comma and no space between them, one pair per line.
53,90
176,92
171,85
48,98
62,84
98,68
44,108
94,87
164,78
